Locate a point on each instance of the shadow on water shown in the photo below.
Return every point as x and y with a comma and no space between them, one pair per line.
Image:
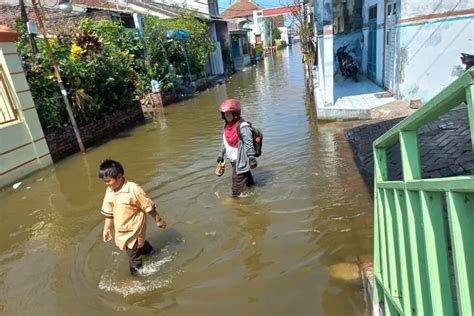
263,177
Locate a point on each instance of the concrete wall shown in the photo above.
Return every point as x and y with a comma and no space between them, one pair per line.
284,34
10,2
200,6
324,93
427,58
380,38
327,59
23,147
411,8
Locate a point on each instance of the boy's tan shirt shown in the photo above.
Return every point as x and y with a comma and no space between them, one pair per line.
128,207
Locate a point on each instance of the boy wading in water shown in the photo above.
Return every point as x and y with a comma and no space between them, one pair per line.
125,206
240,152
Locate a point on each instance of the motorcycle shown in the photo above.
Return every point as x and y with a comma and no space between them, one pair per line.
468,60
346,63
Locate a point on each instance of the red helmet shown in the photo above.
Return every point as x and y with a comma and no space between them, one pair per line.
230,105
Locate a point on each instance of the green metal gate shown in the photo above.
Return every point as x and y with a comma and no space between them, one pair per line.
424,228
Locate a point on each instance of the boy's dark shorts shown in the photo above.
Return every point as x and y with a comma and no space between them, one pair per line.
240,180
135,256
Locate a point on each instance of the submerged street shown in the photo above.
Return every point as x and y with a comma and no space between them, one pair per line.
267,253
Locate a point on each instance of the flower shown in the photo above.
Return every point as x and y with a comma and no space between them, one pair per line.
76,52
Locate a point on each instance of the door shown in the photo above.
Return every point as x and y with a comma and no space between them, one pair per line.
372,44
235,39
391,12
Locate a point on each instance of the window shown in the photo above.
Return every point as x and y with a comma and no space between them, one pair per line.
213,8
373,12
342,24
125,20
394,8
388,38
8,111
389,9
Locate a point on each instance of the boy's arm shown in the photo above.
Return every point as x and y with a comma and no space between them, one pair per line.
108,213
160,222
147,205
107,233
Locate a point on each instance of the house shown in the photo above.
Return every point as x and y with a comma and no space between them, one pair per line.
410,48
240,17
269,20
130,14
57,21
23,147
207,10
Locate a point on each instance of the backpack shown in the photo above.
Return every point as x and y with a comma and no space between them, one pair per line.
257,137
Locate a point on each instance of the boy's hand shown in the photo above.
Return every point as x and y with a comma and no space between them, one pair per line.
107,235
161,223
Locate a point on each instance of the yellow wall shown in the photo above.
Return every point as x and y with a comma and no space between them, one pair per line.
23,148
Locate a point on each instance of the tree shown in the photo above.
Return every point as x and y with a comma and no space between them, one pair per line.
199,45
276,34
301,19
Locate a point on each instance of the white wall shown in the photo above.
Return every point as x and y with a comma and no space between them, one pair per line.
10,2
428,56
200,5
284,33
23,148
411,8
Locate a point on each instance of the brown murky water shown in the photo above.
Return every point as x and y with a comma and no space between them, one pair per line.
266,254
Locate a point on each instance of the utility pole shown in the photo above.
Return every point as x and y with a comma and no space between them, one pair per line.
31,36
36,9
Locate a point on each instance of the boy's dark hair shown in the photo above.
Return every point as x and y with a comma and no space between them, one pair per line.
110,168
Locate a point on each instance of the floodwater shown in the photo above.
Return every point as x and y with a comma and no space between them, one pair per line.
267,253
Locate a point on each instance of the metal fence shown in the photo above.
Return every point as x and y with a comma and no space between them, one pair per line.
424,228
8,112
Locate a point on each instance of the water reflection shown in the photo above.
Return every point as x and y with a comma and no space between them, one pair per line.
267,253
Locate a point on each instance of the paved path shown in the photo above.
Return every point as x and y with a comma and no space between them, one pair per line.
352,100
445,147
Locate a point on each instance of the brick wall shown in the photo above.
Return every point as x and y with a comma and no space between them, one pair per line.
63,144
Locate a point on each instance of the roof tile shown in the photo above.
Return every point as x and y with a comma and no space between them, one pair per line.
240,9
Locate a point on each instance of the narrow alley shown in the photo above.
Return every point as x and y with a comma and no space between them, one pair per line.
268,253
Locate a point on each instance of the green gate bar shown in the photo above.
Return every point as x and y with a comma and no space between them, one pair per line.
424,228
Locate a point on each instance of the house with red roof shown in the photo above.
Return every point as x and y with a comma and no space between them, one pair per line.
239,18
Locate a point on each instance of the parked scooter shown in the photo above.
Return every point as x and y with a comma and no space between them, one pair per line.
346,63
468,60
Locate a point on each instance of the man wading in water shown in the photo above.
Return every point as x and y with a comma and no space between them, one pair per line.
239,151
